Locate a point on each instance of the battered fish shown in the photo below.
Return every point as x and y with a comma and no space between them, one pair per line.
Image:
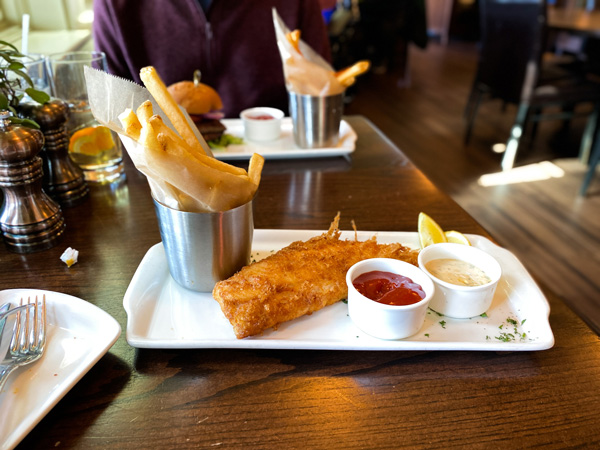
299,279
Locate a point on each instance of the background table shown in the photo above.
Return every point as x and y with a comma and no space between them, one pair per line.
138,399
575,19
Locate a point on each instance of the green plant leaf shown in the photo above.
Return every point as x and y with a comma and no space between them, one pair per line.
16,65
9,45
23,75
3,101
38,96
26,122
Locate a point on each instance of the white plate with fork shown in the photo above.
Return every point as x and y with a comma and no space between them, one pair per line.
78,334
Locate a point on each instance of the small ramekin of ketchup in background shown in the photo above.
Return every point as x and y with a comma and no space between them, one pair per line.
262,124
388,298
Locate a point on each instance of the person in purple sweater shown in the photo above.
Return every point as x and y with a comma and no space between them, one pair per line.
232,42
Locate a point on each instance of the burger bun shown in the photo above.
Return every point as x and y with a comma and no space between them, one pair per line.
196,98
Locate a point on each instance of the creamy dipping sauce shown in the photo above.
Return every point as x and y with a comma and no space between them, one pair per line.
457,272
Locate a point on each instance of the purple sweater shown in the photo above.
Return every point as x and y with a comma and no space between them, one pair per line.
233,45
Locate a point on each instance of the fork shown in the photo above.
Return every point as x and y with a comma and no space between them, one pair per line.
28,338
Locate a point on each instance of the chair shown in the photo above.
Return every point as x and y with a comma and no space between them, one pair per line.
510,68
594,161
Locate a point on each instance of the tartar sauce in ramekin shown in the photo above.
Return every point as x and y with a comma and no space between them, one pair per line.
457,272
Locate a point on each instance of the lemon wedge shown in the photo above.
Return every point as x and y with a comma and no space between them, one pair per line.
457,237
429,231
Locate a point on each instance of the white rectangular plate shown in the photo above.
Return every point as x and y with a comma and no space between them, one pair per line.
78,335
162,314
284,147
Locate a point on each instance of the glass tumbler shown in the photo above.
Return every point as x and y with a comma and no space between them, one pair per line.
35,67
93,147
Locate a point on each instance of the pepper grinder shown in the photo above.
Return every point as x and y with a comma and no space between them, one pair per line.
29,219
63,179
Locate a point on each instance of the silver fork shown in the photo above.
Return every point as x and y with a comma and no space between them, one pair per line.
28,338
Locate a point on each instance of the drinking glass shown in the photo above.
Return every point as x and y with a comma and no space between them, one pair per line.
95,148
35,68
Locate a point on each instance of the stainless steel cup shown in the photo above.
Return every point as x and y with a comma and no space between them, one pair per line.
204,248
316,120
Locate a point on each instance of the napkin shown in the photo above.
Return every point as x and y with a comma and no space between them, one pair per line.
305,71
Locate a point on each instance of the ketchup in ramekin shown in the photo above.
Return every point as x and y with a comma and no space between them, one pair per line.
261,117
389,288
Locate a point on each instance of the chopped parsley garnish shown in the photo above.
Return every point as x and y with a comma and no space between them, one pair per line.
516,334
443,323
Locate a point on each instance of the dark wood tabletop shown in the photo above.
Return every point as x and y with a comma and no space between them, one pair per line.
233,398
577,20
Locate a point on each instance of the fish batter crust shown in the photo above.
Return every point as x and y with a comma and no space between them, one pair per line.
297,280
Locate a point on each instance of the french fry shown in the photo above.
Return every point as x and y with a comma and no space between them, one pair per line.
161,127
255,168
148,137
293,38
174,164
218,190
144,112
131,124
159,91
347,82
349,73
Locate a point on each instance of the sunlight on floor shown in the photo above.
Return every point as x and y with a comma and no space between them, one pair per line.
533,172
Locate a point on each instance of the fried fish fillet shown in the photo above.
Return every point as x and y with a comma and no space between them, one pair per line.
297,280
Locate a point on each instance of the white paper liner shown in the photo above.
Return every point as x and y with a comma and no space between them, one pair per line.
109,96
305,73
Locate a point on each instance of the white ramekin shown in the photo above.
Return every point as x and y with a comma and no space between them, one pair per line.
461,302
387,321
260,129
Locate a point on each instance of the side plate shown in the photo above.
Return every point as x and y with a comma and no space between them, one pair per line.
78,335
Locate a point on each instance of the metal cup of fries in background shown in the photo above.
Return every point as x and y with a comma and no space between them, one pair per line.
316,119
316,90
93,147
204,248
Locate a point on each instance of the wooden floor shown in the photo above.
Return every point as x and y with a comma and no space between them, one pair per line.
551,229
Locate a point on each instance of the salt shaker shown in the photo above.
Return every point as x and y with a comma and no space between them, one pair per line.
29,219
63,179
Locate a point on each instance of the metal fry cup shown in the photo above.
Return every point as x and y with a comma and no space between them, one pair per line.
316,120
204,248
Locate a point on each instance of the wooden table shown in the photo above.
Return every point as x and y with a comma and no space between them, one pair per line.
141,399
575,20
